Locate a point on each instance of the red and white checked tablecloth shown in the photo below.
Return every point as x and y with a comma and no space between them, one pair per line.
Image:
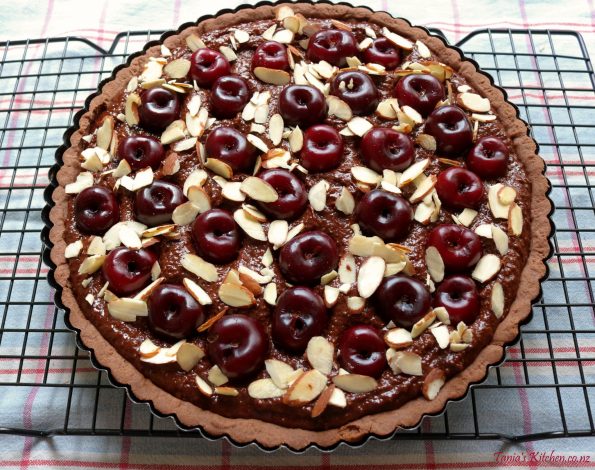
521,411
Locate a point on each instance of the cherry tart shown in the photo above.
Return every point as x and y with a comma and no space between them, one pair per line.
300,221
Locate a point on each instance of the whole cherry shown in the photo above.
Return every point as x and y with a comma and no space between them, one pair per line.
489,157
293,198
451,129
272,55
459,296
95,210
158,109
237,344
332,46
173,313
299,315
216,236
229,95
302,105
459,247
155,204
231,146
383,148
402,299
362,350
127,270
306,257
322,149
383,52
141,151
420,91
384,214
459,188
358,90
207,66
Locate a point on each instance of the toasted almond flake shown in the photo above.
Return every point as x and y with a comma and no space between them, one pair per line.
104,133
272,76
147,291
344,288
278,232
458,347
267,258
177,68
122,169
197,124
422,325
328,277
442,315
259,278
423,50
473,102
249,225
258,189
199,267
253,213
426,141
90,298
198,177
261,115
360,245
147,348
398,338
236,296
276,129
257,142
306,388
413,172
397,40
347,269
127,309
506,195
131,109
323,401
232,191
359,126
263,389
73,249
487,267
91,264
370,276
497,299
320,353
182,146
83,181
345,202
356,304
413,114
467,216
394,268
339,108
129,238
270,293
515,220
185,213
499,210
226,391
355,383
250,283
433,384
295,230
296,140
281,373
500,239
216,376
408,362
204,387
423,189
317,195
484,230
219,167
157,231
331,295
483,117
188,356
435,264
173,132
442,336
365,175
197,292
194,42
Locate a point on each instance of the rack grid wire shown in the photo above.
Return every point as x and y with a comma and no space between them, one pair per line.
547,74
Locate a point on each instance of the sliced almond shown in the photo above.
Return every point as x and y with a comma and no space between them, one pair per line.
423,189
426,141
458,347
73,249
185,213
370,276
347,269
204,387
442,315
484,230
133,101
499,210
173,132
473,102
360,245
497,299
413,115
413,172
323,401
263,389
105,132
296,140
199,294
129,238
272,76
339,108
487,267
216,376
196,125
194,42
398,338
199,267
305,389
320,354
177,68
345,202
467,216
219,167
422,49
422,325
317,195
236,296
355,383
280,372
148,349
397,40
442,336
83,181
506,195
211,321
295,230
356,304
147,291
331,295
257,142
515,220
359,126
91,264
500,239
196,178
232,191
433,382
127,309
188,356
278,232
408,362
226,391
435,264
258,189
249,225
270,293
276,129
254,213
338,398
365,175
249,283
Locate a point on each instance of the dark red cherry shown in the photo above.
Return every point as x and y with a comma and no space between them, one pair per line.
159,108
229,95
216,236
231,146
358,90
451,129
383,52
459,188
272,55
155,204
386,149
459,296
402,299
127,270
306,257
420,91
293,198
459,247
302,105
384,214
141,151
173,312
322,149
95,210
362,350
238,344
332,45
488,157
207,66
299,315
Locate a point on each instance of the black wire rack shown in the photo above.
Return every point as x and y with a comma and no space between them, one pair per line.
550,373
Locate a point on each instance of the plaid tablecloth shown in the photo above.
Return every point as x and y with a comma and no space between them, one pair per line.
522,411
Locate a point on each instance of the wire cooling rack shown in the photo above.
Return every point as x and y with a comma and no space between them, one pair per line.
49,387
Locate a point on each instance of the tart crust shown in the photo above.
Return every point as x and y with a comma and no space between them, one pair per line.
266,434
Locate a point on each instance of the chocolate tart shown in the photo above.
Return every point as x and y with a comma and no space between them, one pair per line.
372,244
